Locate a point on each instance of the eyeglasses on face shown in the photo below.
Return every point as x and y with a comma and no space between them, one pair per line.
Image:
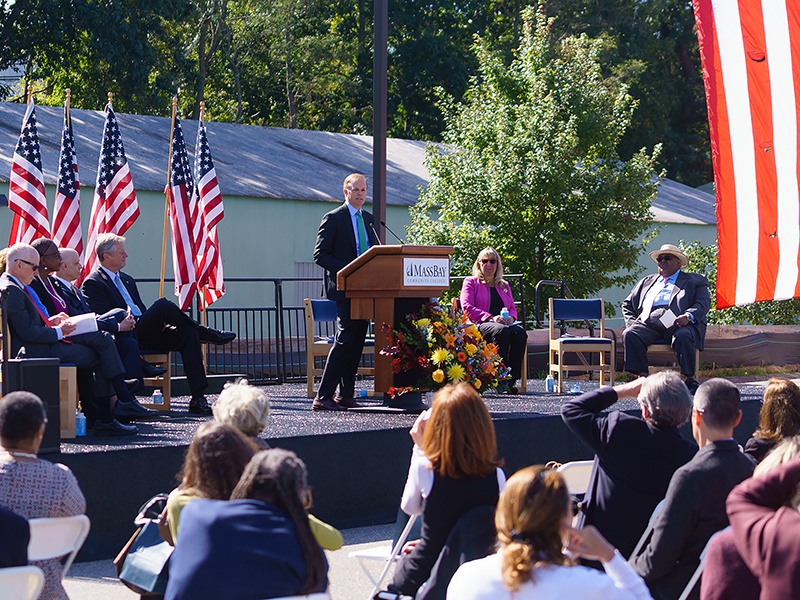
665,258
35,267
49,254
491,261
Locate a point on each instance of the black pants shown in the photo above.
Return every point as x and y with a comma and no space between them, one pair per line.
343,358
639,336
511,342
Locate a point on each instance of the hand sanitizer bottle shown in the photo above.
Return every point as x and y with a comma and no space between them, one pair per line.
550,384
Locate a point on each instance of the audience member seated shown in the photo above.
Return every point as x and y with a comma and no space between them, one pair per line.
778,419
533,519
215,460
257,545
15,538
725,575
454,468
669,305
764,515
483,297
31,487
246,408
694,508
636,456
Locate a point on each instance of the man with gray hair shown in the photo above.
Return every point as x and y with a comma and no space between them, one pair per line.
635,454
694,508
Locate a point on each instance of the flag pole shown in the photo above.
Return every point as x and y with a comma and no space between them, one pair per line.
66,108
29,95
166,197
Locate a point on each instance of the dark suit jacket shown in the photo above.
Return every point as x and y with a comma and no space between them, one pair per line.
76,304
336,246
24,320
689,295
694,510
14,541
102,294
636,461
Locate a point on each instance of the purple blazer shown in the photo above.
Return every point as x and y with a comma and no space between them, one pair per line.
475,299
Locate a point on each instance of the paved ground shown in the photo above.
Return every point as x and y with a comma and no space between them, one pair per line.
98,580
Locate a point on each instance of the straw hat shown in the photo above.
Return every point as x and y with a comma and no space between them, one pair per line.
670,249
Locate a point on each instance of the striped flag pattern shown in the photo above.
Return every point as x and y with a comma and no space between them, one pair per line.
67,209
750,51
181,195
26,196
210,212
115,207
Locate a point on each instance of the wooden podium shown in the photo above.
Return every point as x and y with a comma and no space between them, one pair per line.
384,273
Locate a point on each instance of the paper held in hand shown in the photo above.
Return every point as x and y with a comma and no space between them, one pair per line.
83,324
668,318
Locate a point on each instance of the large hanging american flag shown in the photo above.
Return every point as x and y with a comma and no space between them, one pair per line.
26,185
210,281
115,207
750,51
67,209
181,192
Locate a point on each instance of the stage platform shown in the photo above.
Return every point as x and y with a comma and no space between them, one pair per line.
357,462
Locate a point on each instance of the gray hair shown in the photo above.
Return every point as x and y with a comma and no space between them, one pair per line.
106,242
719,402
243,406
666,399
18,251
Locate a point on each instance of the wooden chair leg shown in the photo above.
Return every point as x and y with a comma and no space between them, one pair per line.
67,399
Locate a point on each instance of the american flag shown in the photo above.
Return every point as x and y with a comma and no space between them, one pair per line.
749,51
209,201
26,185
115,207
67,210
181,193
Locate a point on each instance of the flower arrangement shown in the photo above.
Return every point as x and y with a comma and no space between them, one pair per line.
447,348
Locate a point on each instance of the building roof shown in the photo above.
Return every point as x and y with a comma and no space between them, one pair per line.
678,203
251,161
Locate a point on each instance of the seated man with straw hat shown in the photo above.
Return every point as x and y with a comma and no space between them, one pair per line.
670,305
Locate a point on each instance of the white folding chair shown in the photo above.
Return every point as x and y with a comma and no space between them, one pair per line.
577,475
317,596
21,583
646,533
699,570
57,537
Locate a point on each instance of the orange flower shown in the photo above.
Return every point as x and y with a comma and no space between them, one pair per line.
450,339
488,351
462,356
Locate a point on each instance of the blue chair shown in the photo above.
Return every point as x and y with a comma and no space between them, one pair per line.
321,311
569,309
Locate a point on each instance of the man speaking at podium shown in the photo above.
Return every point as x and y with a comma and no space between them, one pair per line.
344,234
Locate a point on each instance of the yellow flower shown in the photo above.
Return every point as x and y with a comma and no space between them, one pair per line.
423,322
471,349
456,373
440,356
438,376
477,384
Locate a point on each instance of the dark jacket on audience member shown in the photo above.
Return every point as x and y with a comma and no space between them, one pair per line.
757,447
636,461
693,511
766,532
14,537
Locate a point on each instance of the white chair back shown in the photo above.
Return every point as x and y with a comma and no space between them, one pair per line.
699,570
57,537
577,475
21,583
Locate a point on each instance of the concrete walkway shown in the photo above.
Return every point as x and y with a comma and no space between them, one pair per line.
98,580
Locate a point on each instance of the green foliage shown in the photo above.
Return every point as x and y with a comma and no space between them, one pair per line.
703,259
531,168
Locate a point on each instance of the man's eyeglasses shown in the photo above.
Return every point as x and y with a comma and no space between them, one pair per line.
665,258
491,261
35,267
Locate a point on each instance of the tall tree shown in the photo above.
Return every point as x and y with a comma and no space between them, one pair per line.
531,167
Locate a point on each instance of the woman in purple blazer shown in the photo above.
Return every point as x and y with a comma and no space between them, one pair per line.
483,297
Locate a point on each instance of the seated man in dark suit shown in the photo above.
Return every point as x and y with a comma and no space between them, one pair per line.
15,538
163,327
694,508
672,306
43,337
636,455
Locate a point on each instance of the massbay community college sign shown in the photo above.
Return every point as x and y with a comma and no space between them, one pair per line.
426,272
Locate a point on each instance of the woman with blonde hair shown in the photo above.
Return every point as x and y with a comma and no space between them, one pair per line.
483,298
244,407
778,419
454,468
533,520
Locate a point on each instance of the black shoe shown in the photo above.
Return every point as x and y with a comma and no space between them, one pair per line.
150,370
133,410
199,406
133,385
114,428
215,336
692,384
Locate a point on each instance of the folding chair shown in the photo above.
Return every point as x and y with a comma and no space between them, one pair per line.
577,474
21,583
699,570
647,529
57,537
568,309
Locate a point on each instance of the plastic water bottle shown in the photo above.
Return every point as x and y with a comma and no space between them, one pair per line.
80,424
504,313
158,398
550,384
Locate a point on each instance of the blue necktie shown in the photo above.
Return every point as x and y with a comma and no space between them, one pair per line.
126,296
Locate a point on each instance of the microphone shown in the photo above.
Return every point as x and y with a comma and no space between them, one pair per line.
377,237
392,232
